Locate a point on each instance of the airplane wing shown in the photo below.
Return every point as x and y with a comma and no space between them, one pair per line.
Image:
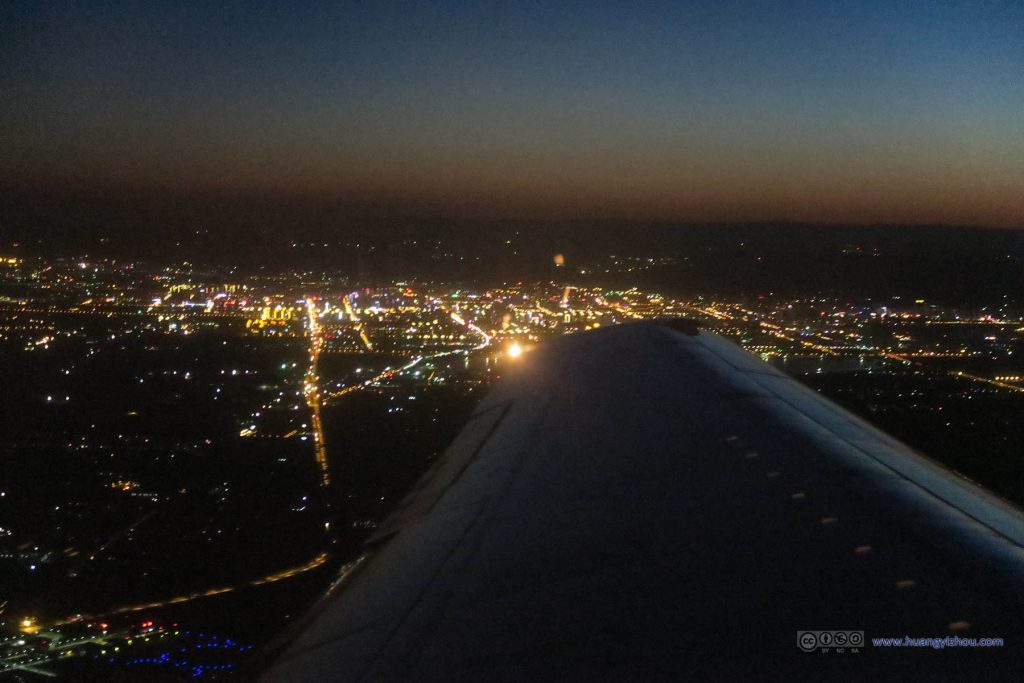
641,503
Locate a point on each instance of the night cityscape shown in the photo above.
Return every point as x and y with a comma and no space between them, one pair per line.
192,440
265,273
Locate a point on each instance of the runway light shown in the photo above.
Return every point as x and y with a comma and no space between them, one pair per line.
515,350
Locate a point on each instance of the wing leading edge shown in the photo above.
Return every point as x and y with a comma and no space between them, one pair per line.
641,503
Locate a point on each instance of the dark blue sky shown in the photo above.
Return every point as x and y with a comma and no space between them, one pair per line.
832,111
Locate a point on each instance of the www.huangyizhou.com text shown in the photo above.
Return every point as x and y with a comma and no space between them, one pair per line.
936,643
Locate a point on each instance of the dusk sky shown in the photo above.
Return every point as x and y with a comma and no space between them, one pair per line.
815,111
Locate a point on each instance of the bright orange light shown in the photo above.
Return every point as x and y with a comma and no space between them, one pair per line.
515,350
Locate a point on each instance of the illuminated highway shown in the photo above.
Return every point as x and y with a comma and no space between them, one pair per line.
210,592
387,373
904,358
312,392
346,301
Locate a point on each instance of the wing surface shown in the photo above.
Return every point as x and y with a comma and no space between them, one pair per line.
639,503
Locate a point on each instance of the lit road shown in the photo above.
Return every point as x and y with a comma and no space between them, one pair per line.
770,328
485,339
312,392
210,592
346,301
387,373
904,358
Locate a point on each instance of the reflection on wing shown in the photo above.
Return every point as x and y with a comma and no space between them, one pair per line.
641,502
